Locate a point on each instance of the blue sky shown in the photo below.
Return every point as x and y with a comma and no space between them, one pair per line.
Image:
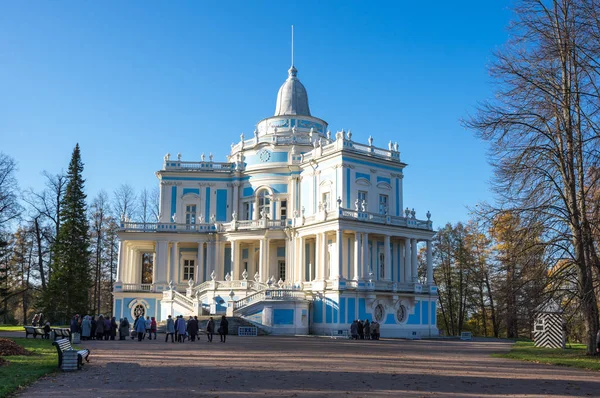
131,81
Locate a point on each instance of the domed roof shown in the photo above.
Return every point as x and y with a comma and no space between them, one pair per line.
292,98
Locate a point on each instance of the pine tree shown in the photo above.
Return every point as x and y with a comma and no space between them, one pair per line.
68,287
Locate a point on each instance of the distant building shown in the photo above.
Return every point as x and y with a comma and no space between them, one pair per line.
301,231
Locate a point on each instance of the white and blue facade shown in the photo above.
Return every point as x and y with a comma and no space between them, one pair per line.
300,231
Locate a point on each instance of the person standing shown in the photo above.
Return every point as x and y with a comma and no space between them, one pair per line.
86,328
93,329
210,329
181,329
354,330
41,319
140,328
223,329
153,327
170,329
361,331
123,329
100,327
113,328
148,324
35,320
192,328
367,330
106,328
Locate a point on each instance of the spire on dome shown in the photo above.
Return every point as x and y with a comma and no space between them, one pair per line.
292,98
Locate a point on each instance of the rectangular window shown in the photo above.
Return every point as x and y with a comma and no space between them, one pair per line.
381,266
188,269
190,214
247,211
326,201
284,209
147,267
383,204
282,270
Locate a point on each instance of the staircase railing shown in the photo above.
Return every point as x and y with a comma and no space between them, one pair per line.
263,295
183,301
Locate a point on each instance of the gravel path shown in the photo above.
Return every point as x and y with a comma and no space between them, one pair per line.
311,367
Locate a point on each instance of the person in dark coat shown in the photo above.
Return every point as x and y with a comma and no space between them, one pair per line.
106,328
113,328
210,329
47,330
361,331
93,331
123,329
192,328
367,330
75,324
100,328
223,329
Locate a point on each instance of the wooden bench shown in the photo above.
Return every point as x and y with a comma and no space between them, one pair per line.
35,331
63,345
60,333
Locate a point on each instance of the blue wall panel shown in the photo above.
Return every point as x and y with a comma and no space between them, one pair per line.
281,251
207,208
342,309
347,187
362,312
328,312
191,190
433,314
283,316
425,319
227,262
318,310
397,196
173,202
221,205
279,188
247,191
351,309
362,175
118,314
384,179
415,319
390,319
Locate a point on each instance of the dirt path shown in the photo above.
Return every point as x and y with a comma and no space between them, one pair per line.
311,367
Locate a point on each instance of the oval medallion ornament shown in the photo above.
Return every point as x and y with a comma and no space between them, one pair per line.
264,155
401,314
378,313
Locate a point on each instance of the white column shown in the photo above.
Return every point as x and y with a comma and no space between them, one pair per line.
336,267
407,261
120,261
365,253
174,263
415,275
387,258
325,257
236,197
235,264
154,268
300,262
261,260
356,275
200,263
429,263
162,261
210,262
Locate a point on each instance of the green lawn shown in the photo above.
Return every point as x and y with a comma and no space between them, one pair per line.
23,370
573,355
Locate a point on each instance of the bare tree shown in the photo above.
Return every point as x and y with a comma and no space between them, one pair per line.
9,204
543,132
155,203
99,213
144,206
124,206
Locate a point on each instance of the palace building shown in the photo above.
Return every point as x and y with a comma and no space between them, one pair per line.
300,231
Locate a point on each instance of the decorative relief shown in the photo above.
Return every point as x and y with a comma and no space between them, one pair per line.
177,183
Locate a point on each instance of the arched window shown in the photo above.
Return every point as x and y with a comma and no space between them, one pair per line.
263,203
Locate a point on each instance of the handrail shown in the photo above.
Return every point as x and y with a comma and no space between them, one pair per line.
270,294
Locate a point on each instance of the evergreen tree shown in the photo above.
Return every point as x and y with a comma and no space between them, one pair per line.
70,280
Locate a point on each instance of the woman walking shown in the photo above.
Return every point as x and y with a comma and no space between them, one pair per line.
223,329
86,328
